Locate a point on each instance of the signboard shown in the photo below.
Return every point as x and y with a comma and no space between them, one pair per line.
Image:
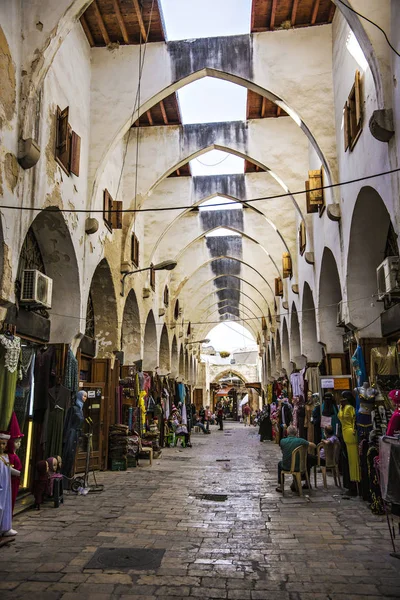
342,383
328,383
91,394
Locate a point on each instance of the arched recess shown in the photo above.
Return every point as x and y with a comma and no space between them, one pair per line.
181,362
187,366
53,239
131,335
369,244
278,351
285,347
269,362
229,372
150,361
273,358
164,357
174,358
309,343
295,347
330,294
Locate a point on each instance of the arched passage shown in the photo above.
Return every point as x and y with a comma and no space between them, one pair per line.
295,349
368,246
174,358
330,294
150,344
273,358
164,357
278,351
104,302
187,367
131,338
309,343
181,372
53,239
269,362
285,347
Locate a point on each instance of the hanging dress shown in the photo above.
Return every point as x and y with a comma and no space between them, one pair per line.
346,417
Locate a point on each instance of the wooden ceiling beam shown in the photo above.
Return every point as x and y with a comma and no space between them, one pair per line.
331,12
164,113
150,118
263,107
140,19
87,31
121,22
273,15
278,111
100,23
315,12
294,12
178,172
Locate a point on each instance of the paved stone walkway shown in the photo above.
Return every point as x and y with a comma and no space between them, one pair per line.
256,545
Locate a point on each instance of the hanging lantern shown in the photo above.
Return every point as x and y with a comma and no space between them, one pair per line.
286,265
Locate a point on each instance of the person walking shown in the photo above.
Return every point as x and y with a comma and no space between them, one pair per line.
220,417
246,414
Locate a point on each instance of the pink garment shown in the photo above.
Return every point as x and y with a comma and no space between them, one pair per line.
393,427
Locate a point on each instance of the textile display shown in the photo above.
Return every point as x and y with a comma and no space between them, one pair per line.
71,378
389,469
10,353
346,417
5,495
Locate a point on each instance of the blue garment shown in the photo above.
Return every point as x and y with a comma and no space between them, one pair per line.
358,363
181,392
5,496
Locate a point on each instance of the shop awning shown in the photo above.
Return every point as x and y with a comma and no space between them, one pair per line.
224,391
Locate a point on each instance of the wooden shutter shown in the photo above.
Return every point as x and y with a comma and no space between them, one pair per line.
166,296
278,286
63,137
116,215
357,92
75,153
152,278
263,323
346,126
107,208
315,182
135,250
311,208
286,265
302,238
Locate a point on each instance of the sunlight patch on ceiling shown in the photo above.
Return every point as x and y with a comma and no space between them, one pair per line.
211,100
188,19
221,232
220,203
217,162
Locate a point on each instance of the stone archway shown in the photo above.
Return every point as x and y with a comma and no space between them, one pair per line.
174,358
164,356
278,351
273,358
309,342
295,346
285,347
269,362
368,246
330,294
150,361
187,369
54,242
181,370
131,335
102,294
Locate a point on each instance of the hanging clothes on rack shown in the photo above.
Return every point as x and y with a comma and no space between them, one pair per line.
10,356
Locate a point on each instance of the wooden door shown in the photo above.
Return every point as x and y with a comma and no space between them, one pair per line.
198,398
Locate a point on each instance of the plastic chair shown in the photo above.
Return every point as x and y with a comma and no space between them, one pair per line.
332,454
182,438
299,455
170,439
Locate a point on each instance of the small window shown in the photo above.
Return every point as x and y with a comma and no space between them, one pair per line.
68,144
278,287
166,296
314,193
302,238
152,278
352,115
189,329
263,323
112,212
176,310
135,250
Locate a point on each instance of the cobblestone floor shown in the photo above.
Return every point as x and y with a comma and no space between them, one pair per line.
256,545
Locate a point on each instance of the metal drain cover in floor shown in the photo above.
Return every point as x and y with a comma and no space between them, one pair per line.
223,460
213,497
140,559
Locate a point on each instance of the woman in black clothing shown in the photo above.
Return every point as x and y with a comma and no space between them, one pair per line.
265,429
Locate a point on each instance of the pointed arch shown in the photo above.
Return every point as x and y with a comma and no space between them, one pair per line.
164,355
181,362
150,359
285,347
330,294
295,346
131,334
309,342
174,358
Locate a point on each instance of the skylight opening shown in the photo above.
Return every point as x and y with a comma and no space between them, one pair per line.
355,50
217,162
220,203
211,100
222,232
188,19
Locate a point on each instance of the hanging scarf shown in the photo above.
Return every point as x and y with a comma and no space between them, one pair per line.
13,349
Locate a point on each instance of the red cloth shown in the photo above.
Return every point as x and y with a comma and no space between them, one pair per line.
394,424
15,481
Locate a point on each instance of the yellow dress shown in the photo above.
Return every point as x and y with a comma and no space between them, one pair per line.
347,417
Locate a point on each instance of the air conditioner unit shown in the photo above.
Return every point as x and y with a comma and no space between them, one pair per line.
342,314
388,277
36,288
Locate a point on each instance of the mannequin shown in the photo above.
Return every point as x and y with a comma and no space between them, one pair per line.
366,396
13,445
394,423
72,429
5,489
53,465
308,425
346,416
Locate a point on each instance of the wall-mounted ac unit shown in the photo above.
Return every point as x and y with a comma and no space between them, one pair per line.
36,288
342,314
388,277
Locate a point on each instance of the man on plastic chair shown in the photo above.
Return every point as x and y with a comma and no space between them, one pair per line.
288,444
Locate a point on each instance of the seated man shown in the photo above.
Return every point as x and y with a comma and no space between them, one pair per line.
288,444
181,430
198,423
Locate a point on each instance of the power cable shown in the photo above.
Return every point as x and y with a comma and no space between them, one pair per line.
191,206
215,164
371,22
